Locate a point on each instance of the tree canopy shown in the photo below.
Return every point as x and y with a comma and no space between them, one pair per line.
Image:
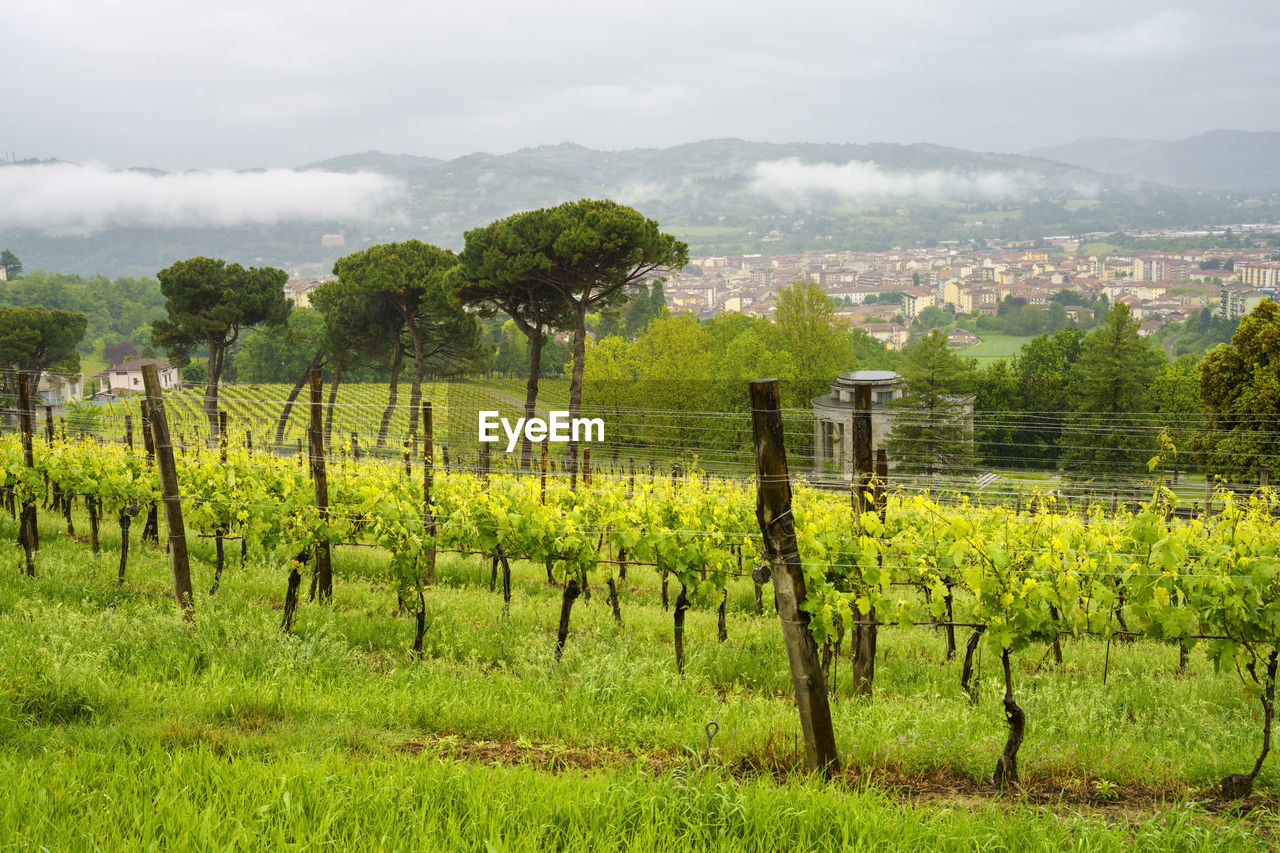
1108,437
12,266
588,252
208,303
1240,387
36,339
414,281
933,425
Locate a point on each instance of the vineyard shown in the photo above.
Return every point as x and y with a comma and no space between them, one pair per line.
618,618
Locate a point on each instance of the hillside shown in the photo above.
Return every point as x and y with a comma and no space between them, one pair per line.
1220,161
722,196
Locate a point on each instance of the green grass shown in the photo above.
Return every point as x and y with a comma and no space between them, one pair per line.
1100,248
129,727
994,346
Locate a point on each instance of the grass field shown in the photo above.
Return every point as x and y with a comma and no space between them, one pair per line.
123,726
359,409
994,346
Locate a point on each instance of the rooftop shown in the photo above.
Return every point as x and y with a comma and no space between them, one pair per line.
872,376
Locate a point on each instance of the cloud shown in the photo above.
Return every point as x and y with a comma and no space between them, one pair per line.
72,196
635,192
789,180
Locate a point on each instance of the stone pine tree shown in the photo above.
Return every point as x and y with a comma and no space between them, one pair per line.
590,253
1110,435
486,280
1240,387
209,303
933,421
35,340
415,281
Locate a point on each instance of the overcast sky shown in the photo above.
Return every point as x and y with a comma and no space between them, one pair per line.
281,83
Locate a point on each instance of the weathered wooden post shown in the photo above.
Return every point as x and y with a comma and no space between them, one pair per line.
542,494
428,529
178,560
864,636
880,495
28,535
151,527
220,532
323,566
428,479
777,527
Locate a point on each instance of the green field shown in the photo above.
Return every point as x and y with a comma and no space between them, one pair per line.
122,726
994,346
256,409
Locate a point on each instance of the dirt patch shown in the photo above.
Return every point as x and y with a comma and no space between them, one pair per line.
1121,803
552,758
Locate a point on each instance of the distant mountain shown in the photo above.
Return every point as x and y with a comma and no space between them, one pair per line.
1220,160
723,196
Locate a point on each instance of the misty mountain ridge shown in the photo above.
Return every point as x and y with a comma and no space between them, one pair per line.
723,196
1217,161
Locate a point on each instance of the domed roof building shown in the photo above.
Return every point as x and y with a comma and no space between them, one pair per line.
833,418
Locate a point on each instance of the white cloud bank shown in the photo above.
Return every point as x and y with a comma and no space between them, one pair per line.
790,180
71,196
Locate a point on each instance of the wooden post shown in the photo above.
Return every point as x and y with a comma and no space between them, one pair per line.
151,527
543,490
128,431
1208,495
355,448
323,566
428,517
178,559
777,526
631,477
880,494
863,497
53,494
28,535
1264,476
586,467
483,460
